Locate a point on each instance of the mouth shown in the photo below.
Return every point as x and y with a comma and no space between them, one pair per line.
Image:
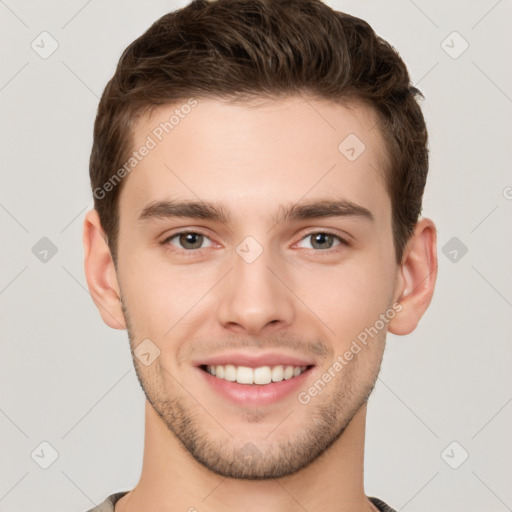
247,386
261,376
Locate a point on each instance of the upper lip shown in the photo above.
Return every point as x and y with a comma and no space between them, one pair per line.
254,360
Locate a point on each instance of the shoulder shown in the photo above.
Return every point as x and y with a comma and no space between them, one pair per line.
383,507
109,503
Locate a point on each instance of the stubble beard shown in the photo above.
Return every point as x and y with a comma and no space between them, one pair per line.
326,419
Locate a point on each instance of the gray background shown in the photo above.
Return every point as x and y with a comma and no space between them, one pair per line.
68,380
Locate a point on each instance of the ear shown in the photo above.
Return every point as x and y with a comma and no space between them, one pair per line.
416,278
100,272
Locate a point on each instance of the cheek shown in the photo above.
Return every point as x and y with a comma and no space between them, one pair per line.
158,294
349,297
144,290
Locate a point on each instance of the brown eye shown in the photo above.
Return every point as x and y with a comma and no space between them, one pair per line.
187,240
191,240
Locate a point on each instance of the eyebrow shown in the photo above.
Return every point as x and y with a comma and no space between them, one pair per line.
215,212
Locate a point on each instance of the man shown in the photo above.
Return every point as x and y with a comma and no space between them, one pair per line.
258,170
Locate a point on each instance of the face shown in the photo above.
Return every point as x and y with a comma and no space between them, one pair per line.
257,236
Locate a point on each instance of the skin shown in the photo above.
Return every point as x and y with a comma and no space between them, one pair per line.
300,296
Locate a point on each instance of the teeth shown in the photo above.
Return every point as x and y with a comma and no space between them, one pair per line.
261,375
277,373
288,372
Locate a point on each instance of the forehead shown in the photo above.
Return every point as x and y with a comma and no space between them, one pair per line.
256,156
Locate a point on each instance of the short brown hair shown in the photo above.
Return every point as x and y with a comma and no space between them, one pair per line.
236,49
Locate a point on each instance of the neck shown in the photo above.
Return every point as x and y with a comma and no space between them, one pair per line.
172,480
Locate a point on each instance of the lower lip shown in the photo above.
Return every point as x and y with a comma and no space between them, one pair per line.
256,394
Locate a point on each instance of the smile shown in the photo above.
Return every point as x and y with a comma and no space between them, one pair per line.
261,375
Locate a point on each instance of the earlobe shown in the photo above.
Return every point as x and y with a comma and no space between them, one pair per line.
100,272
417,278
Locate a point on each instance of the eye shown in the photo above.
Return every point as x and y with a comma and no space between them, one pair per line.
322,240
188,240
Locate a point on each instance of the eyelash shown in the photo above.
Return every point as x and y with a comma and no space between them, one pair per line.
191,252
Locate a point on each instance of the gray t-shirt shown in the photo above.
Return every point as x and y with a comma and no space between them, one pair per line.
108,504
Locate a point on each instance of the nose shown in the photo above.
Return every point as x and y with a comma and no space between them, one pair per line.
252,298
